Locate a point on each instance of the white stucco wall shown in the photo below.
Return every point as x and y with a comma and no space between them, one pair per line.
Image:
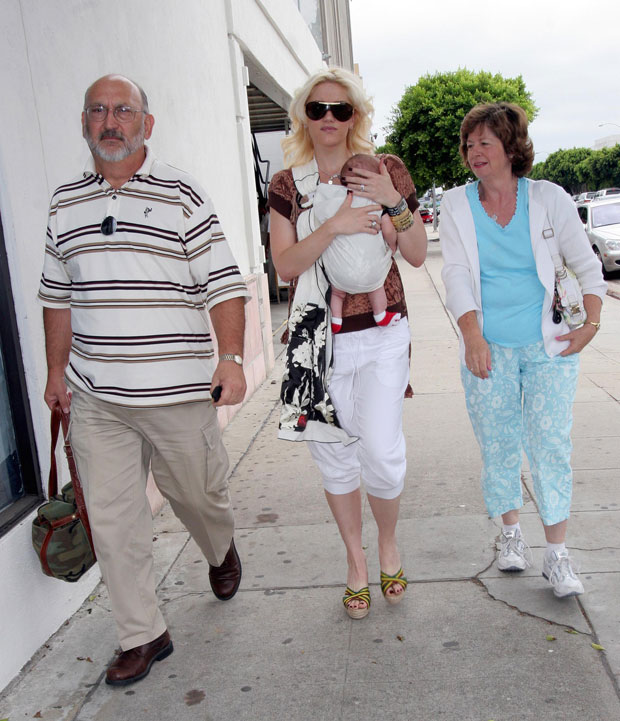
188,57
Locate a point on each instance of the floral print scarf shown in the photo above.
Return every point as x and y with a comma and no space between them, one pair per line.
308,413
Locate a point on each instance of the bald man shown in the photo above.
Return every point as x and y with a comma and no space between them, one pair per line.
135,259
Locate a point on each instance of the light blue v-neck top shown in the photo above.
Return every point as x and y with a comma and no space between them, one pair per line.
512,294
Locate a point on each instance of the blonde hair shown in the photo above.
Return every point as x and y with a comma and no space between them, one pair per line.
297,146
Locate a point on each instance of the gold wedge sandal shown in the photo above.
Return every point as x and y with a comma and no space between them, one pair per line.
388,582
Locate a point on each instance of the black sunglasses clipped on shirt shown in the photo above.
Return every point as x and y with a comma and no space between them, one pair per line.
108,225
317,109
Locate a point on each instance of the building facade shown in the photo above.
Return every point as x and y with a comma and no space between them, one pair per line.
217,73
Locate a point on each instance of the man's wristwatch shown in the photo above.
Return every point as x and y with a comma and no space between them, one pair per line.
232,357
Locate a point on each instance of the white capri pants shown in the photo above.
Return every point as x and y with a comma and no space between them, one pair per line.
370,376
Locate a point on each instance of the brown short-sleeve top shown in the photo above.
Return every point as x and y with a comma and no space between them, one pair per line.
357,311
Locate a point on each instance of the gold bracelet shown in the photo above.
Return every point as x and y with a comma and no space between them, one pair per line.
401,217
402,222
403,214
402,227
596,325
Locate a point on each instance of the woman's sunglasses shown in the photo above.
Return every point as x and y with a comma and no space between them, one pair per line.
316,110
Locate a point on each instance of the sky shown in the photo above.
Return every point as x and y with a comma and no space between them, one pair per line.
568,53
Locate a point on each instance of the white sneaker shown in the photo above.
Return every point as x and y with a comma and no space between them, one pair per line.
514,553
557,569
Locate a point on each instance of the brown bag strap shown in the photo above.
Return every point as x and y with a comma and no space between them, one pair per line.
59,418
52,485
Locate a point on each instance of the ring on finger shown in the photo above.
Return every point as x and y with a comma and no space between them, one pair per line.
373,223
362,187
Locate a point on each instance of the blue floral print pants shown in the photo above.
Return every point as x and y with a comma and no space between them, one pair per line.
525,404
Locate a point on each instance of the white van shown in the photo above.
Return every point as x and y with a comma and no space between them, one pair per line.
605,193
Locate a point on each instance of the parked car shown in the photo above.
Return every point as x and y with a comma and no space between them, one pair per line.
606,192
584,197
601,220
427,215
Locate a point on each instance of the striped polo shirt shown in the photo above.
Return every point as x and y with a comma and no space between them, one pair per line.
138,297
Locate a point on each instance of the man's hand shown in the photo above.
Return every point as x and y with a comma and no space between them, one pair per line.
228,322
229,375
57,393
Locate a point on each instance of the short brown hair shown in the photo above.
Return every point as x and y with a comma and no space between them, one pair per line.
509,122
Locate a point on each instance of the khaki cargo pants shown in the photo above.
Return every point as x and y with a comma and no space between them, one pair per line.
114,446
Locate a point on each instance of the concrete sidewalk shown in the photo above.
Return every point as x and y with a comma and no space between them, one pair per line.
467,643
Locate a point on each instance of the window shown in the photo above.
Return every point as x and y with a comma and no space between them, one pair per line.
311,13
20,488
606,215
583,214
11,486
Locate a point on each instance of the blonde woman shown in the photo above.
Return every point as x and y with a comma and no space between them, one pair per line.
353,423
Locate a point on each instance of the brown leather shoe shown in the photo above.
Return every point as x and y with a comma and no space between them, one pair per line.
132,665
225,579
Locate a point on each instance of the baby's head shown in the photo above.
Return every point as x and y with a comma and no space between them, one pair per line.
361,160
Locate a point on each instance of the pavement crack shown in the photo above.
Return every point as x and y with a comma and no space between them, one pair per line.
527,614
173,595
601,548
485,569
75,715
181,596
173,562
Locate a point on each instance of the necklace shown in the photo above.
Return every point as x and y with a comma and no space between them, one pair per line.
330,180
482,198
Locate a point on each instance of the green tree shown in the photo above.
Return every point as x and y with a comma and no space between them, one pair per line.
538,172
424,126
584,174
580,169
564,168
387,148
602,168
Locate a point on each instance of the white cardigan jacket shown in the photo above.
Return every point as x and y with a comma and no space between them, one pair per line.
549,207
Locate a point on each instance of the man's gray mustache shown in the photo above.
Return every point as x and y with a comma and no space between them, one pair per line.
111,134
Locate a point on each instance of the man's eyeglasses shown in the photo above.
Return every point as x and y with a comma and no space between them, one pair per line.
108,225
123,113
317,109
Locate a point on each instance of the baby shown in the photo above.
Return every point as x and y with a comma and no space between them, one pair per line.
357,263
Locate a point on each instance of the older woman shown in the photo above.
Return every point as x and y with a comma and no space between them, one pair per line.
519,358
354,423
